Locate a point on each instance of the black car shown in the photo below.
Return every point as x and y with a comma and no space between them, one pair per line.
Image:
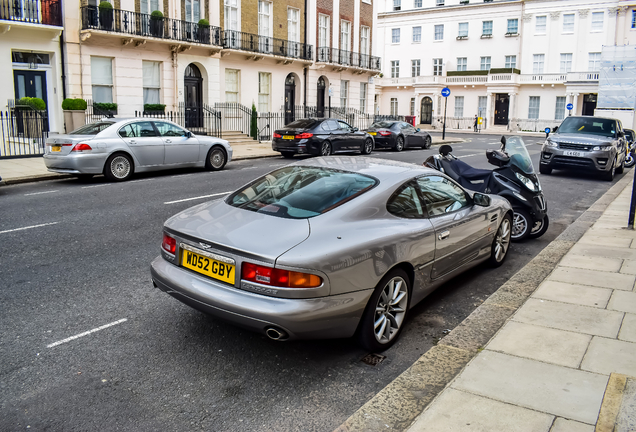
320,137
398,135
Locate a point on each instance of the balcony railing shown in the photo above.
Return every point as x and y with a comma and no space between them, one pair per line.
143,25
47,12
348,58
233,39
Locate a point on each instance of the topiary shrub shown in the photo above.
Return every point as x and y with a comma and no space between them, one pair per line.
254,123
74,104
156,15
32,103
154,107
105,106
105,5
204,22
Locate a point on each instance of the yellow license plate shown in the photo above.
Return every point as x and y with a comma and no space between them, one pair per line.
56,148
373,133
288,137
208,266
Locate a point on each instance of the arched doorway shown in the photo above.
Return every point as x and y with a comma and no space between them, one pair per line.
290,98
193,83
426,110
320,104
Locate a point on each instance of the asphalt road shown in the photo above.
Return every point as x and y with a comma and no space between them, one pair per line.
163,366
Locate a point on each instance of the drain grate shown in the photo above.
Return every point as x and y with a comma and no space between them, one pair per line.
373,359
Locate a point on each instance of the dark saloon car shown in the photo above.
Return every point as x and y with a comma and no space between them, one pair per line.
398,135
320,137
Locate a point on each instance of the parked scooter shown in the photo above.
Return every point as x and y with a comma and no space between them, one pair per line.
630,159
514,179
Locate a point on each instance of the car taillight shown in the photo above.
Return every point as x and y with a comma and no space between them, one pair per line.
278,277
277,135
384,132
169,244
304,135
81,147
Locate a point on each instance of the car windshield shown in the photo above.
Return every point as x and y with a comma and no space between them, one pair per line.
519,156
300,192
382,124
588,125
92,128
301,124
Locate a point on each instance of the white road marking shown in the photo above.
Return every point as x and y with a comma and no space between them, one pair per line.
196,198
94,186
137,181
39,193
68,339
29,227
469,155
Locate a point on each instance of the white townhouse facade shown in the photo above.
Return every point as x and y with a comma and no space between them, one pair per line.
517,64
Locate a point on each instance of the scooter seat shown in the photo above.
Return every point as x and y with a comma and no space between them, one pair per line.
468,172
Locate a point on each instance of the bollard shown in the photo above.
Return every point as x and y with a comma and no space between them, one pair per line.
632,205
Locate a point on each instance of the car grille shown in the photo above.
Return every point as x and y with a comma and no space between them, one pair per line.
573,161
583,147
540,201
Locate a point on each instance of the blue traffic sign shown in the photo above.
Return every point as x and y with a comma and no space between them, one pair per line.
569,106
446,92
547,130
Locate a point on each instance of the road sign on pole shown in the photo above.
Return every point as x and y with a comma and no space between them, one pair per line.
446,94
569,107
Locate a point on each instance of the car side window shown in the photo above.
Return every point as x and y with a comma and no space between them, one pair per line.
127,132
406,203
137,130
441,195
169,130
344,126
333,125
325,126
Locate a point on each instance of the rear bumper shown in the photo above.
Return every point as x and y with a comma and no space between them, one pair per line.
304,146
317,318
76,164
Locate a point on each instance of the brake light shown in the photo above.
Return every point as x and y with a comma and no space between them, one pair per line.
384,132
278,277
277,135
304,135
81,147
169,244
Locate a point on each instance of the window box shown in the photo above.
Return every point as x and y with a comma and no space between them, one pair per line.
486,36
467,73
504,70
464,2
511,34
462,37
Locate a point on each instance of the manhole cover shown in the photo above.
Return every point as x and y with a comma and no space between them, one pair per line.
373,359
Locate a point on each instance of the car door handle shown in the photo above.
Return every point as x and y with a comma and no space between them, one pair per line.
133,142
168,141
444,235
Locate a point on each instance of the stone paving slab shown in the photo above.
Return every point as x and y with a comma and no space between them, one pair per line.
594,278
628,329
601,251
606,241
605,356
575,294
623,301
564,425
592,263
628,267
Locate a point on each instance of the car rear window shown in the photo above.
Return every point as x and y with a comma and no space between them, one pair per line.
301,192
382,124
92,128
588,125
301,124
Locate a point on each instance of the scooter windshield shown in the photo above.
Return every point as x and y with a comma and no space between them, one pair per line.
519,156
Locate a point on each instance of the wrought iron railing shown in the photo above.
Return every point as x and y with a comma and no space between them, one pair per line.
347,58
532,125
47,12
24,132
234,39
138,24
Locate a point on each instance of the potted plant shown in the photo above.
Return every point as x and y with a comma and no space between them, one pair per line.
254,123
203,31
105,108
154,108
156,24
105,16
74,113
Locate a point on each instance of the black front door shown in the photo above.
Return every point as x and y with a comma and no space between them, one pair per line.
426,111
193,83
589,104
320,104
502,102
290,92
31,84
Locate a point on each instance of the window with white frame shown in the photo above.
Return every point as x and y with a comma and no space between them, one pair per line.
363,97
486,28
231,14
439,32
323,30
462,63
412,106
345,35
394,106
397,5
264,91
513,26
293,25
395,36
231,85
540,24
482,105
485,63
568,23
415,68
192,11
559,110
344,93
264,18
533,107
459,106
594,62
437,67
462,30
566,63
417,3
417,34
148,6
395,68
511,62
102,79
537,63
597,21
151,72
364,40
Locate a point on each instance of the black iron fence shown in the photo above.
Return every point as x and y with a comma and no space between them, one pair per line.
203,120
347,58
138,24
47,12
266,45
235,117
24,132
94,114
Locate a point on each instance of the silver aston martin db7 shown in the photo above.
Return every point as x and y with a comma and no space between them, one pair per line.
330,247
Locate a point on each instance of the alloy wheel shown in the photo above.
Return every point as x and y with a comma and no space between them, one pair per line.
217,158
427,142
390,310
519,224
120,167
368,146
399,144
502,240
325,149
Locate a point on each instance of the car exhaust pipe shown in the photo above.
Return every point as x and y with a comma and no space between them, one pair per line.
275,334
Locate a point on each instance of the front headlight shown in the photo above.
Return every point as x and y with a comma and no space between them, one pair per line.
550,143
527,182
602,148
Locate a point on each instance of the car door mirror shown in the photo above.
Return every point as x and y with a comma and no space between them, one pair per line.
355,129
554,129
481,200
417,130
188,134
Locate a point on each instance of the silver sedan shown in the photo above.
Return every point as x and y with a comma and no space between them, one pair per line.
120,147
330,247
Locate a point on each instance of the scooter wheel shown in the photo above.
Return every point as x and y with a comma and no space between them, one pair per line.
540,227
521,225
629,161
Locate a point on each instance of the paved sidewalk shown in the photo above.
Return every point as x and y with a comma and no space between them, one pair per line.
563,361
